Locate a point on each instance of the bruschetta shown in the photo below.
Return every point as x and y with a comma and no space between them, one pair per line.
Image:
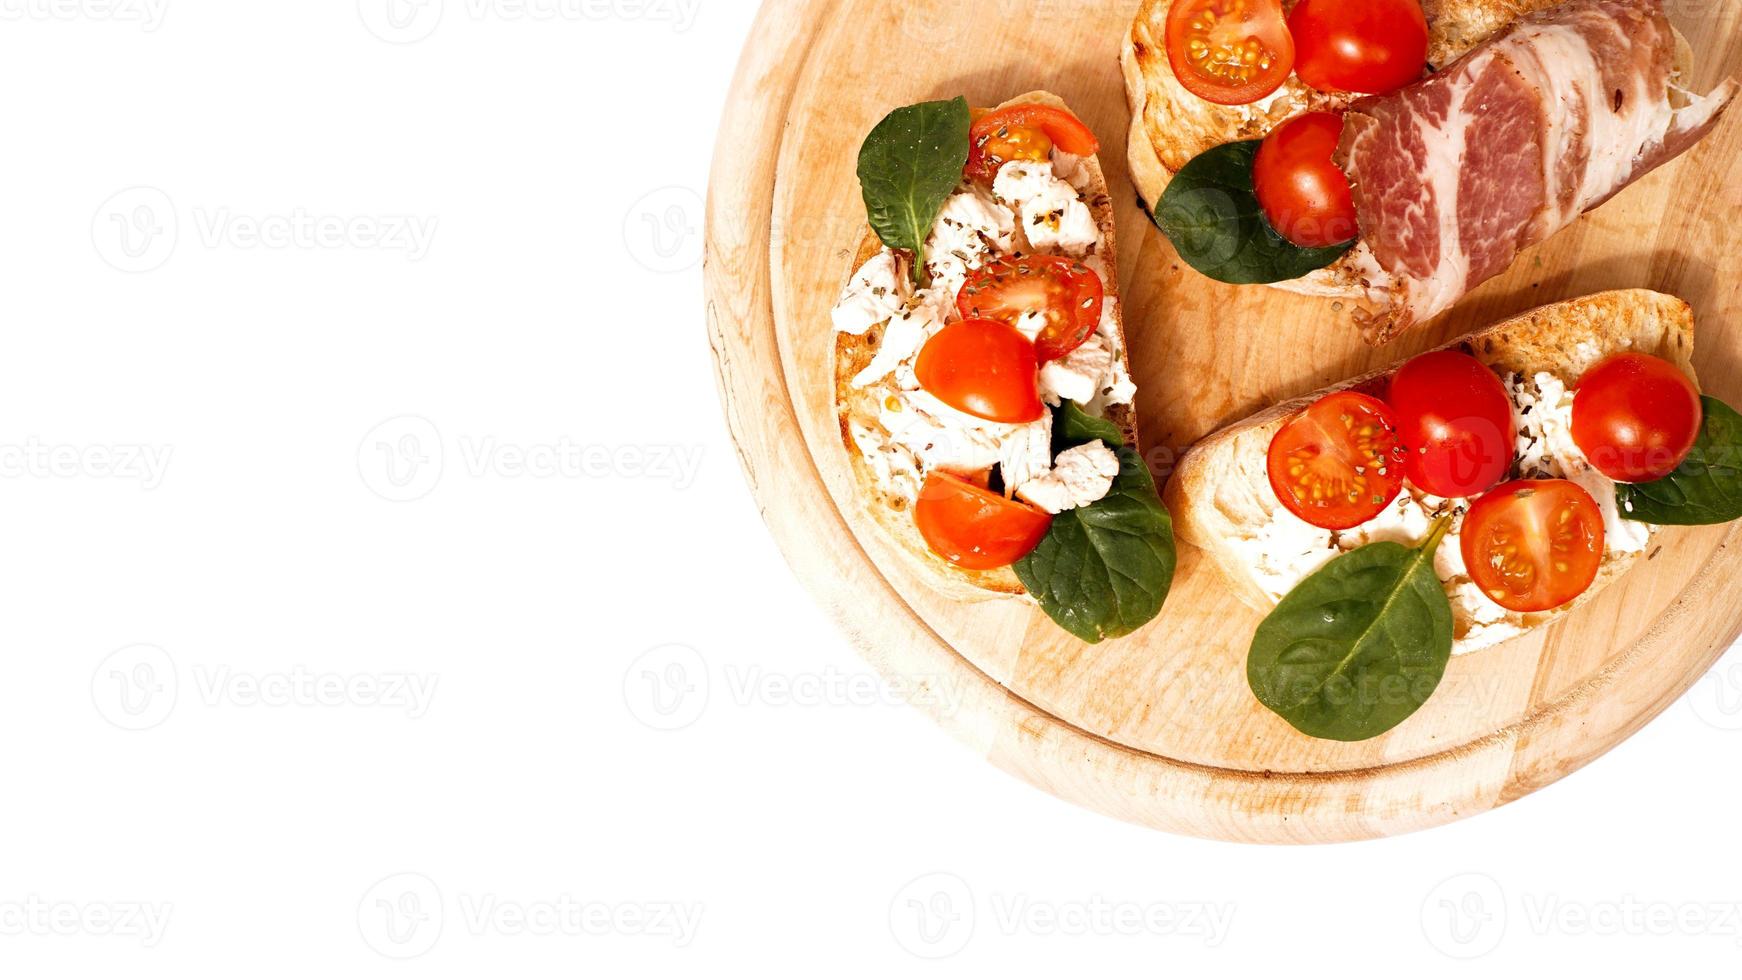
981,381
1490,125
1458,500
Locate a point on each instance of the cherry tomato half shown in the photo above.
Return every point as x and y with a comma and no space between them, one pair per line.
1455,417
1636,417
1024,132
1367,46
984,368
1304,194
1068,293
970,526
1339,463
1533,545
1229,51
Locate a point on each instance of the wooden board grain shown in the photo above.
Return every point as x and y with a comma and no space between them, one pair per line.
1159,728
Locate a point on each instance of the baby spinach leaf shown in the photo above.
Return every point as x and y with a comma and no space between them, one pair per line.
908,167
1071,426
1358,646
1706,488
1104,570
1210,212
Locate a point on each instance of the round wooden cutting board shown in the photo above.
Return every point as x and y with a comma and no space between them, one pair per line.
1159,728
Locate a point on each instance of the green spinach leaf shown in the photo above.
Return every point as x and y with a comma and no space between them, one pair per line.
1706,488
908,167
1359,646
1104,570
1071,426
1210,212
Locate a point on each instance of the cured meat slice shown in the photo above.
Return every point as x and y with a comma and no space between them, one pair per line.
1457,174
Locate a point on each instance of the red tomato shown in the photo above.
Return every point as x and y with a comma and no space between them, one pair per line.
1068,293
1533,545
1453,414
1367,46
1339,463
1024,132
1636,417
1304,194
970,526
1229,51
984,368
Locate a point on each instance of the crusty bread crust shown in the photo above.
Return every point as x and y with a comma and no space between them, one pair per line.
852,353
1170,126
1221,488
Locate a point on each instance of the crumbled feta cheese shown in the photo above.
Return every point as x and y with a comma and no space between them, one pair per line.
939,436
1026,453
874,294
1031,324
968,230
1053,214
906,334
1080,477
892,465
1069,168
1078,376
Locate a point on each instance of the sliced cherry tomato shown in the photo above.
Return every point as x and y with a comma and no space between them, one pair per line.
1636,417
1229,51
970,526
1067,292
1533,545
1304,194
1370,46
984,368
1339,463
1024,132
1455,417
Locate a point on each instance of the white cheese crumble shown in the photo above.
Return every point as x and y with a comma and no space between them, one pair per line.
1054,217
915,431
971,229
874,294
1081,476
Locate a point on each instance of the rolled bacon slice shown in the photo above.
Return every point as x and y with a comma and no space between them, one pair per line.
1457,174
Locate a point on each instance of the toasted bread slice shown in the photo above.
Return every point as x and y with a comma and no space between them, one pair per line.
1170,126
889,510
1221,492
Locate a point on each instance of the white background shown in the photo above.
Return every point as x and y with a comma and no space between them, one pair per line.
273,270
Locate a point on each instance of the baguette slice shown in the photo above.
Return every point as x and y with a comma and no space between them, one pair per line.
1221,492
1170,126
889,511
